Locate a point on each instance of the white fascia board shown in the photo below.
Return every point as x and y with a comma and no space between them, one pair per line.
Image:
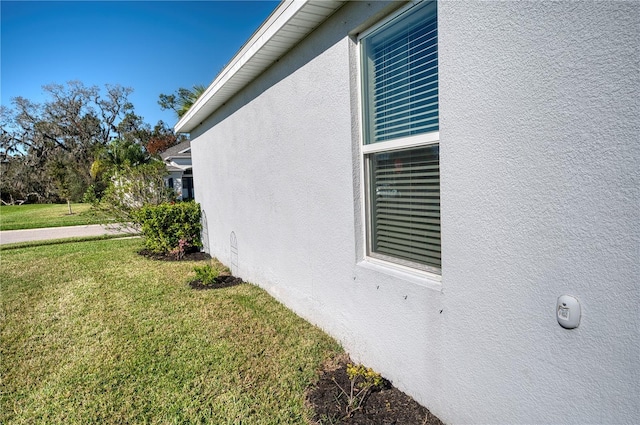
183,167
256,55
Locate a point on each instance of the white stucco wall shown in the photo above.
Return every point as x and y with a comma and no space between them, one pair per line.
540,160
540,183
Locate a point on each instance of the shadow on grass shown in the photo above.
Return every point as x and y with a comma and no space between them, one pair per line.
31,244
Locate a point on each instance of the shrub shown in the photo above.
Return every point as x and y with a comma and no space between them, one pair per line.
206,274
181,249
362,381
170,227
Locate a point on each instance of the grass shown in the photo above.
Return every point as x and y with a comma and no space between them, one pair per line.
91,332
31,244
32,216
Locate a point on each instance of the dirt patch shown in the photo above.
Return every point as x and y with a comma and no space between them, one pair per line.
223,281
384,406
188,256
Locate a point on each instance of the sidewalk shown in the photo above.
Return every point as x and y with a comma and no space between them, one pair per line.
27,235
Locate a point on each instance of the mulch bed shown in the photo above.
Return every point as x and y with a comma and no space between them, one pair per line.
385,406
223,281
188,256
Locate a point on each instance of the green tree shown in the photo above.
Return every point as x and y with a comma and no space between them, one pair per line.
111,160
66,132
63,178
19,182
182,100
131,188
118,154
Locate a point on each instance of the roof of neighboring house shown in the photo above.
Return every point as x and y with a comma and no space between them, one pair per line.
289,23
181,150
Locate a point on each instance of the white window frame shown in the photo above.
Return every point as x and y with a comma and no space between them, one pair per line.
366,150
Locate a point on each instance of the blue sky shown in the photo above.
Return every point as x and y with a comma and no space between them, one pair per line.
151,46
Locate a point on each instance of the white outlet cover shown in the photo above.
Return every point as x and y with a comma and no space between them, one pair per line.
568,312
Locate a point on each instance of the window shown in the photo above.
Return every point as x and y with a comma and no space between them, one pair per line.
187,188
399,65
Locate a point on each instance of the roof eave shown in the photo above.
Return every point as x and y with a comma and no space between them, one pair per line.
270,42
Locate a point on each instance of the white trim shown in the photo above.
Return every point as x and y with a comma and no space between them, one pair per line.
421,274
256,43
364,185
183,168
408,264
423,139
264,47
394,15
418,277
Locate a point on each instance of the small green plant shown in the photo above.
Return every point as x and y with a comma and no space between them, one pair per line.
362,381
206,274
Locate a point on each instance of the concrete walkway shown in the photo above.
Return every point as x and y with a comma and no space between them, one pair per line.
27,235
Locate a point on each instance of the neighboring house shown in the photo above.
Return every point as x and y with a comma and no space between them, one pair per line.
180,178
425,184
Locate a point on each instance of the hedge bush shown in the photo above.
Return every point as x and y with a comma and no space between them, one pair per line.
170,227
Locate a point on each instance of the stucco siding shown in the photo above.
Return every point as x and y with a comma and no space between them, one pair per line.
540,177
540,197
265,169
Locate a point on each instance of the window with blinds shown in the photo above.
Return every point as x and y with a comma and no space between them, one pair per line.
406,204
400,69
401,151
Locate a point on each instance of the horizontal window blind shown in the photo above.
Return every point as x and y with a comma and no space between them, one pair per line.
400,66
400,102
405,210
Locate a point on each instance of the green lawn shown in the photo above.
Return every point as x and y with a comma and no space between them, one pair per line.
91,332
32,216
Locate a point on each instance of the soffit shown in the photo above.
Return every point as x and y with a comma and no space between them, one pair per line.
291,22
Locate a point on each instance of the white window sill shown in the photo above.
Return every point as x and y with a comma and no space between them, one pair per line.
426,279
